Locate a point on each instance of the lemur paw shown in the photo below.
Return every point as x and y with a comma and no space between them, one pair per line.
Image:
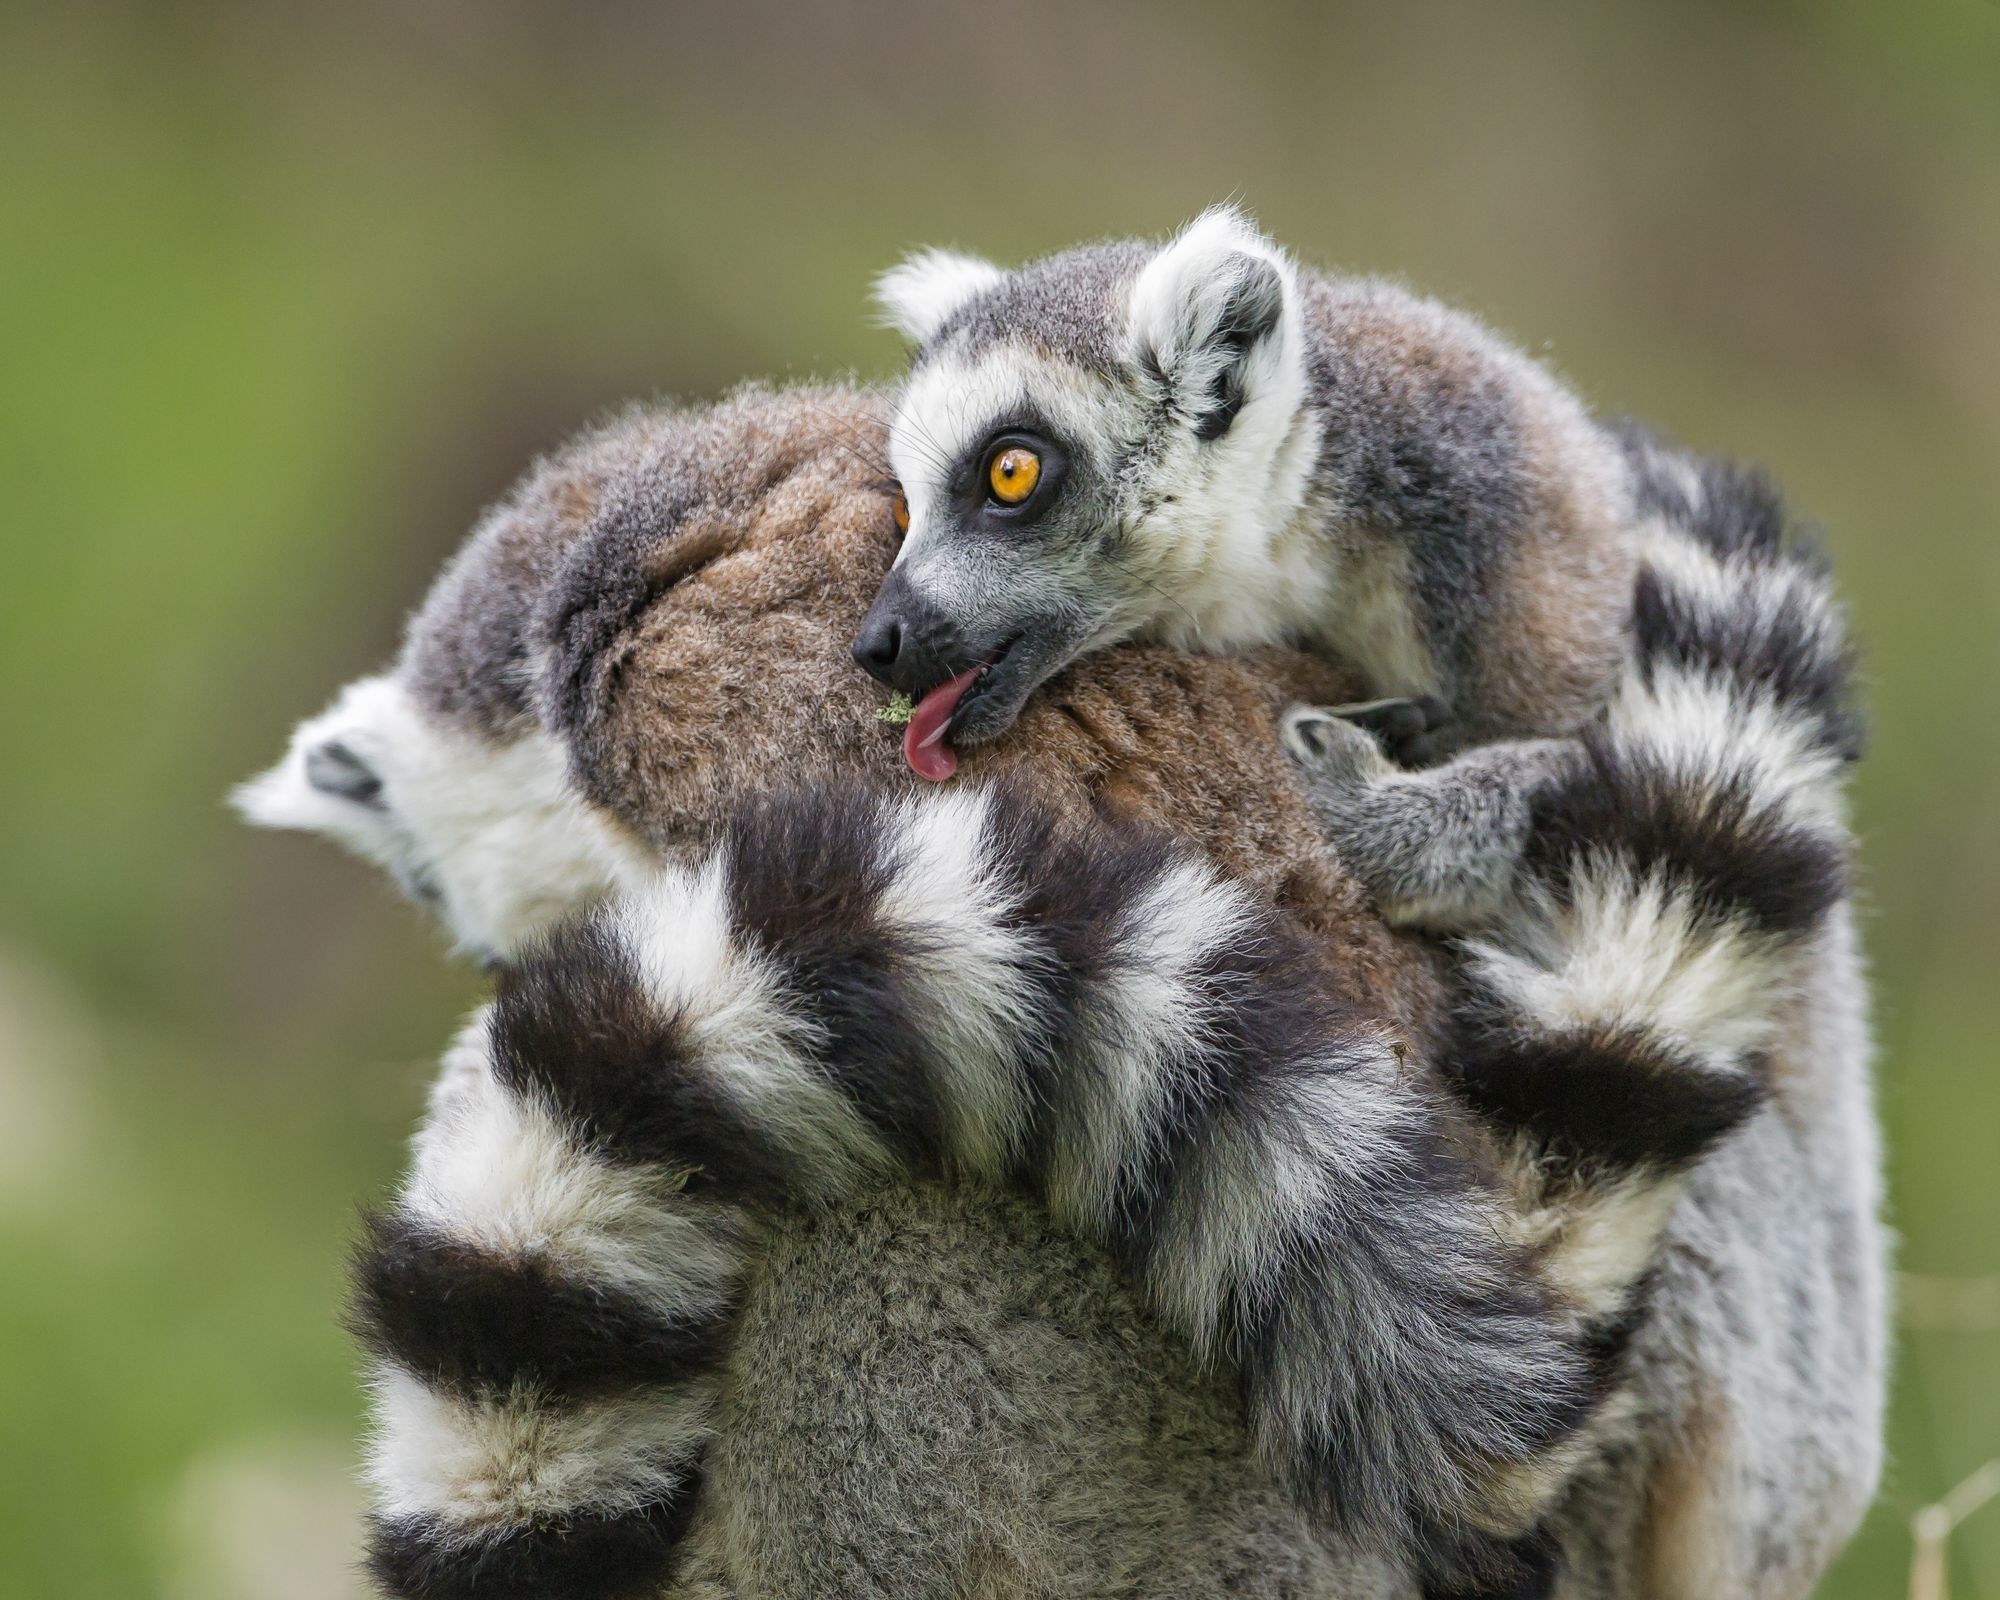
1333,748
1412,733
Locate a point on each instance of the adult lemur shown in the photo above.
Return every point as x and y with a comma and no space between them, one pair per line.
711,574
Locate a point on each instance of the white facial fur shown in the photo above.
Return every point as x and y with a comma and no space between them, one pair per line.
491,835
1216,547
949,410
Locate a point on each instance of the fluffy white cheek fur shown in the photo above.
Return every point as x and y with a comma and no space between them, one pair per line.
490,835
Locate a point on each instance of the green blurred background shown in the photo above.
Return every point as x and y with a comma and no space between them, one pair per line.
288,292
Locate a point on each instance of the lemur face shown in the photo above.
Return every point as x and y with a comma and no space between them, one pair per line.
1073,444
1010,566
486,835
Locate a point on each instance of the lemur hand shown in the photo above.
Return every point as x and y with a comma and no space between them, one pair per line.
1412,733
1342,746
1438,848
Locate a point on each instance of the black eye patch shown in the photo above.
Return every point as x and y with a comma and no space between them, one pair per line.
1020,471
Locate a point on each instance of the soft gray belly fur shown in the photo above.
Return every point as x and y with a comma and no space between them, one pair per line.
941,1396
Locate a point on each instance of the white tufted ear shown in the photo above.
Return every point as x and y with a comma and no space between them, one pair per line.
918,294
1209,314
331,779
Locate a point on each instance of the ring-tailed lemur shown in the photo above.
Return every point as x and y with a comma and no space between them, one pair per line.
962,989
469,1549
1200,442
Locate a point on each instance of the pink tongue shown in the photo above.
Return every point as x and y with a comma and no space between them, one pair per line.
923,741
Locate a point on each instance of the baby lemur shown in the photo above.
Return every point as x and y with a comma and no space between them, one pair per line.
1205,444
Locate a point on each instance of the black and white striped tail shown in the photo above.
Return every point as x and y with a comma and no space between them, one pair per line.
1677,869
954,985
547,1318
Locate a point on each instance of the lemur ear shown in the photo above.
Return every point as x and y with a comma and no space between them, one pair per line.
917,295
1206,317
327,782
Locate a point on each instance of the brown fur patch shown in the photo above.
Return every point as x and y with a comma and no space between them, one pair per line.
1531,556
1566,583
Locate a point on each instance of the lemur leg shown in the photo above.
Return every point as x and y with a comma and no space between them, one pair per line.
1439,848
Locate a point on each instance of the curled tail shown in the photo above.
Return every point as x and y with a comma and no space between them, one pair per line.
957,986
1678,865
546,1318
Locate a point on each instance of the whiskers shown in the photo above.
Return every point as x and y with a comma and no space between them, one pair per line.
1110,553
865,446
925,443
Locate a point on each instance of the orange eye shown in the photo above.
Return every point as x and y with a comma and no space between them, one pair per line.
901,512
1014,474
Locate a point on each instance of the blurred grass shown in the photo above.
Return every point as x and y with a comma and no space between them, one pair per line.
289,293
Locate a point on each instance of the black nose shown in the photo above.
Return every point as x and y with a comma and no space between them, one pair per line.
879,643
905,640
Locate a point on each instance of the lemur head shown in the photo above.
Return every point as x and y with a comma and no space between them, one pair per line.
484,832
1099,444
476,771
438,771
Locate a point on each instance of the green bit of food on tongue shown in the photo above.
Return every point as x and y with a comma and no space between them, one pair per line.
898,711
